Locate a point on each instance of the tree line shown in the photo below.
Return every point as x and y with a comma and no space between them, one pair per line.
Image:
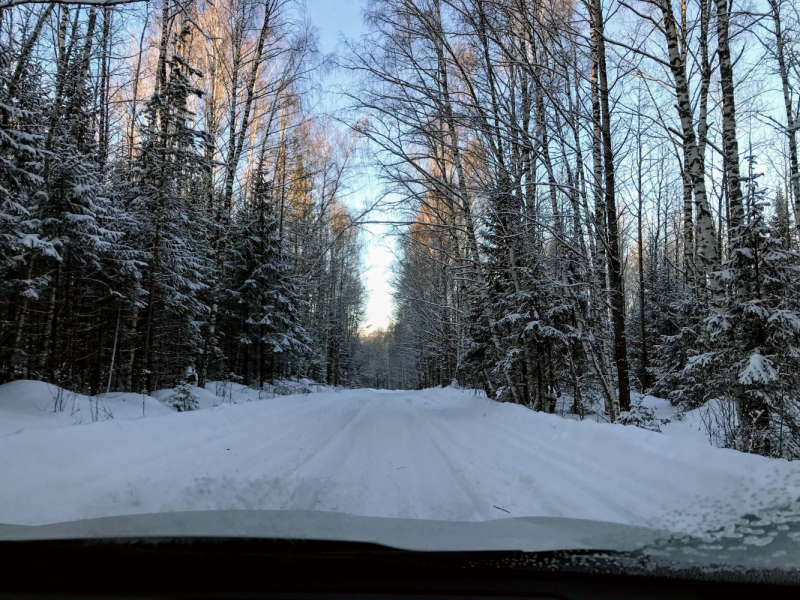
170,199
593,198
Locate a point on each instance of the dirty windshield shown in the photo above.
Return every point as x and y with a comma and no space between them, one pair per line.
452,261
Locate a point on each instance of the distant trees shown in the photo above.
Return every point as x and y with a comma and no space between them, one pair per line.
572,173
167,200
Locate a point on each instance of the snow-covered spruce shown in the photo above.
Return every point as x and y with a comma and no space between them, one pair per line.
183,399
754,335
641,416
124,255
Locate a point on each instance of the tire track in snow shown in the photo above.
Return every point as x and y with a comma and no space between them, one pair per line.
368,456
550,500
556,487
612,483
480,508
270,469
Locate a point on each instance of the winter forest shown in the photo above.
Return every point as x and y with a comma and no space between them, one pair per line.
588,200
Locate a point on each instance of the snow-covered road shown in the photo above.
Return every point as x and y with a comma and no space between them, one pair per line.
434,454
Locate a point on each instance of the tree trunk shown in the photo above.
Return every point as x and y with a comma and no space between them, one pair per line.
791,126
707,251
616,294
730,144
135,93
147,346
74,111
644,377
25,51
102,146
464,197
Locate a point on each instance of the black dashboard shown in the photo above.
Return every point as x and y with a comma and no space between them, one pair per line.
248,569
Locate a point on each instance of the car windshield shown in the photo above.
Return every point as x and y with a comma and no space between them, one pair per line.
435,274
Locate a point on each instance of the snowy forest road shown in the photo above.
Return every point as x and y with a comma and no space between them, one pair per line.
432,454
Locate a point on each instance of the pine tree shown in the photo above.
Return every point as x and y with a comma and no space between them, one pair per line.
170,172
755,336
21,163
115,250
182,397
266,301
641,416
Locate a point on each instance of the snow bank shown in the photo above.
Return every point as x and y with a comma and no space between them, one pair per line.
216,393
27,404
433,454
37,405
704,425
693,425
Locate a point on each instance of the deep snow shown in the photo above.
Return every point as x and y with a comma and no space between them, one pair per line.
38,405
435,454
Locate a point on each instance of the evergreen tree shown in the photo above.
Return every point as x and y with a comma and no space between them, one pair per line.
183,398
755,335
21,163
167,203
267,300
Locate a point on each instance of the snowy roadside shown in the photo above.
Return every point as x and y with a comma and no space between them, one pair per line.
27,404
702,425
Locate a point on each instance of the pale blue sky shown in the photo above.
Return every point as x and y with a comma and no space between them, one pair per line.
334,18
